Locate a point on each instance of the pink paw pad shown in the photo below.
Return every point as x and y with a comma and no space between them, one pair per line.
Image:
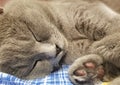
90,69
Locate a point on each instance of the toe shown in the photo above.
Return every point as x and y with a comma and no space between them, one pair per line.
90,65
100,72
80,72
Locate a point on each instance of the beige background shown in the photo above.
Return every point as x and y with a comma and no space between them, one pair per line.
115,4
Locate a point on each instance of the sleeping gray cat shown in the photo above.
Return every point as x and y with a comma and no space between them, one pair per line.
36,36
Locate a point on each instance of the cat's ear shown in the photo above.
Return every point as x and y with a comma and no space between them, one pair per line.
1,10
2,4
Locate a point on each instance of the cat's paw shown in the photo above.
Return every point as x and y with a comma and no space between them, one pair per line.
88,72
87,69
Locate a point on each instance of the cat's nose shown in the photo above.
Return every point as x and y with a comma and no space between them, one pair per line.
58,49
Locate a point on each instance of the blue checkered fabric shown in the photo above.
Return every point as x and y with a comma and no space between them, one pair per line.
57,78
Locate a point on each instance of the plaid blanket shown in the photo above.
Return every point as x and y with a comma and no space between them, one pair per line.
57,78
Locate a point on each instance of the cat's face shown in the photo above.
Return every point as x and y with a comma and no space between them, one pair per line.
19,50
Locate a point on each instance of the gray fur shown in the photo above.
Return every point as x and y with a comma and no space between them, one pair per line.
81,28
